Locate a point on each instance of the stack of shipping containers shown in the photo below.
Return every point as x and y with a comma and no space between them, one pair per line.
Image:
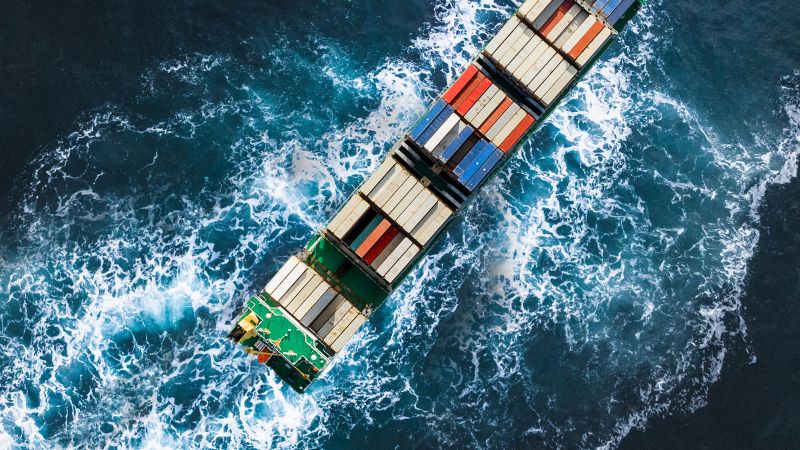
319,299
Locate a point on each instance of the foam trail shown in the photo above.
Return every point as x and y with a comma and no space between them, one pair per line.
143,301
558,263
600,273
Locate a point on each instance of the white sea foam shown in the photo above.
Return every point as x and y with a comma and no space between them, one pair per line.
171,284
483,293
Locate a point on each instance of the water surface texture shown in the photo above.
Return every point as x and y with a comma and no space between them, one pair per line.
162,159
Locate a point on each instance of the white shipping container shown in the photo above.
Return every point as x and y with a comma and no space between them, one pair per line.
373,180
281,275
412,209
340,326
401,193
419,214
546,71
521,46
528,5
502,35
529,63
348,333
536,68
524,54
512,124
430,215
335,318
344,212
293,300
579,33
482,101
430,230
594,46
389,184
380,182
446,127
312,299
484,113
402,263
359,210
512,38
502,121
394,256
540,6
576,23
431,223
559,86
381,196
546,13
405,201
387,251
551,79
563,23
514,49
289,281
317,308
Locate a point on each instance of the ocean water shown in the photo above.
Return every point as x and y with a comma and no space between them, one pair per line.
161,160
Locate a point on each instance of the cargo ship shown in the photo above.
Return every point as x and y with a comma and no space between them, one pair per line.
322,295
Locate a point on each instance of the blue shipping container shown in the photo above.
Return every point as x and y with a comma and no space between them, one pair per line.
464,164
619,11
477,163
456,144
423,124
486,169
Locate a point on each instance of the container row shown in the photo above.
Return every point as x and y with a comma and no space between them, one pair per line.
374,239
425,167
406,200
611,10
457,145
485,106
388,231
567,26
301,291
531,61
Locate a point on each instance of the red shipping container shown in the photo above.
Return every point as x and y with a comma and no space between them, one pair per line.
558,15
460,83
474,96
586,39
518,132
373,237
462,97
495,116
379,246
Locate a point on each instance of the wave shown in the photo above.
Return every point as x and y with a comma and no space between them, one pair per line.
596,284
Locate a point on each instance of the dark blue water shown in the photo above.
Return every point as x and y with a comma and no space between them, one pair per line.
161,159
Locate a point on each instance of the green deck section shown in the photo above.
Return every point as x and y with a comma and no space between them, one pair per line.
293,351
343,274
326,254
296,355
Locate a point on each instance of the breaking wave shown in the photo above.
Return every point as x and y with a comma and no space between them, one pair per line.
594,285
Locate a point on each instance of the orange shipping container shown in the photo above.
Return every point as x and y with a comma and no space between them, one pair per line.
586,40
459,85
495,115
518,132
558,15
373,237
